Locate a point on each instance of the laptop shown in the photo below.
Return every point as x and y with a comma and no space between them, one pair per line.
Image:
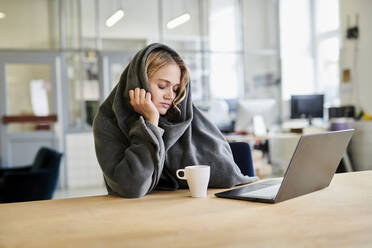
313,164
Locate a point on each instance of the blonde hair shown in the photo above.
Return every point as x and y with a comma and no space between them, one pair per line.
159,58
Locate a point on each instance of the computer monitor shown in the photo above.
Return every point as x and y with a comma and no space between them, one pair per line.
248,109
307,106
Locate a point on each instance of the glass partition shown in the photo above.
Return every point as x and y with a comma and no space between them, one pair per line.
230,46
83,88
193,60
29,93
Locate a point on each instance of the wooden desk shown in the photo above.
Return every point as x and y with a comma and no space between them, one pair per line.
338,216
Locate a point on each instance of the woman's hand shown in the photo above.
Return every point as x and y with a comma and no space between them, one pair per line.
142,104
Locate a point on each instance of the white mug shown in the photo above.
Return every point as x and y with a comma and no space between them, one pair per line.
197,177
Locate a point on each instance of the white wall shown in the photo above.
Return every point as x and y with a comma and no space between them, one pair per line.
260,20
356,55
260,43
83,168
261,47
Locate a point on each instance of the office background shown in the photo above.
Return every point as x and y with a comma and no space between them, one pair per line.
59,58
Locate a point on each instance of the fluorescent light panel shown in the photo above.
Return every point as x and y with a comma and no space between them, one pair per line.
178,21
2,15
115,18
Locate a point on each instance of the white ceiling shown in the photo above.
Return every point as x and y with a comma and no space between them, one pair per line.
141,20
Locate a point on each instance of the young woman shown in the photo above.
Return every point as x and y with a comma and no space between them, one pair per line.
148,128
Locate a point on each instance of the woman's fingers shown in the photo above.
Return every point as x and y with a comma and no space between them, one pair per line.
139,98
142,104
131,95
142,96
148,97
137,95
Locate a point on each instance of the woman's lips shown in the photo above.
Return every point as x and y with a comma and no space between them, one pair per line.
165,105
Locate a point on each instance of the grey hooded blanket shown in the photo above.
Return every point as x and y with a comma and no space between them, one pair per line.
137,157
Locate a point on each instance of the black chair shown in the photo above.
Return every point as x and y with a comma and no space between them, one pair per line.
34,182
243,157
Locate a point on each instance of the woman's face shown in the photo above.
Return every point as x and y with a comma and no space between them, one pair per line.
164,84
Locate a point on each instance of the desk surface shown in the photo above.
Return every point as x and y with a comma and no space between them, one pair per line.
338,216
250,137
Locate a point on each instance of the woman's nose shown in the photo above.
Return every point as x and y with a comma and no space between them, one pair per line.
170,94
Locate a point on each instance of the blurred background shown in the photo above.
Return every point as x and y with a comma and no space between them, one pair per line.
264,71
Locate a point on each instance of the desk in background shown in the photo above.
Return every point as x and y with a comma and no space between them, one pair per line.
337,216
280,149
252,138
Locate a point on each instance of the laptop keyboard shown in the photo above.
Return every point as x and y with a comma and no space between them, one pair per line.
265,193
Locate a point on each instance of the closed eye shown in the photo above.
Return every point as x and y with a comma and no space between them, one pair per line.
162,86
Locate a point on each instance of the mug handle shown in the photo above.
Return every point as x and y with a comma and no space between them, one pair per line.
184,175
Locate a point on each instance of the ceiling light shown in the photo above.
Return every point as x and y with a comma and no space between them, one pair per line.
115,18
2,15
178,21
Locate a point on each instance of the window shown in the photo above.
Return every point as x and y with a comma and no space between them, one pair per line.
327,49
297,59
310,48
226,58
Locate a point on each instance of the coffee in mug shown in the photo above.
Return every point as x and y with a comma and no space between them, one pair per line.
197,177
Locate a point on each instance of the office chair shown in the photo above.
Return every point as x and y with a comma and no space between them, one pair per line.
37,181
243,157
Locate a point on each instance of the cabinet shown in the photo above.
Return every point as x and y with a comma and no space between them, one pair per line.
361,144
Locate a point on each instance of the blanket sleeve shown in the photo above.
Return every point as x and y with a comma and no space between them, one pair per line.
216,150
131,163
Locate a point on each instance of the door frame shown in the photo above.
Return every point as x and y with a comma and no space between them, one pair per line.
57,63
